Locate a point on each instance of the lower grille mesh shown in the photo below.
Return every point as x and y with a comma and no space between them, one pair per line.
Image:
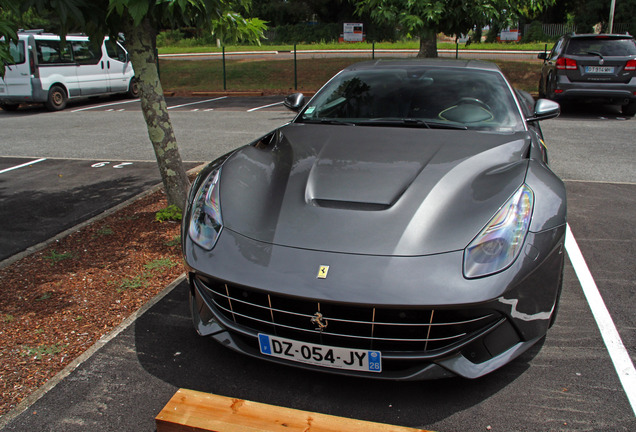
378,328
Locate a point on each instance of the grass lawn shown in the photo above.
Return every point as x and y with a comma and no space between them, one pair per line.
277,76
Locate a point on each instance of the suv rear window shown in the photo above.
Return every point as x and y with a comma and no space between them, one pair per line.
604,46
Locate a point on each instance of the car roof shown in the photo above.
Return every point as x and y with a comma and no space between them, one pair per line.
40,35
415,63
600,36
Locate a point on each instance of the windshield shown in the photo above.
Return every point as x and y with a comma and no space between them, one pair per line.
430,97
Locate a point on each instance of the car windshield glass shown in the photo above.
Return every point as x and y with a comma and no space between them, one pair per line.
602,46
426,97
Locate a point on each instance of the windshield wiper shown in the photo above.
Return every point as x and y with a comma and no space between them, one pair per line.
412,122
596,53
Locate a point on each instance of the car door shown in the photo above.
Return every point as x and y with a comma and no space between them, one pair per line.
17,76
118,67
56,65
91,69
548,70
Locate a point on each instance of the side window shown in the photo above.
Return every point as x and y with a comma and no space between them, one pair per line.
17,52
556,50
85,53
115,51
53,52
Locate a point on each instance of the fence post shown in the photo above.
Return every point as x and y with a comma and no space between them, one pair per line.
295,70
373,51
157,61
224,78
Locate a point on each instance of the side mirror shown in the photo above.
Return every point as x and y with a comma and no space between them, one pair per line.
545,109
542,56
295,101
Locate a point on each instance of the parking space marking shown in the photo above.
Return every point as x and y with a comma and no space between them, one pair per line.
617,351
21,165
198,102
265,106
104,105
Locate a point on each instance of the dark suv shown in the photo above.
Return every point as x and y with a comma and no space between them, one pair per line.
591,67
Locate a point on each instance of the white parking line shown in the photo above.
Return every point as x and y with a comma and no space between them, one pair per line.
22,165
105,105
265,106
617,351
198,102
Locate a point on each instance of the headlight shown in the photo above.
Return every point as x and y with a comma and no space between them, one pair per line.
206,222
500,242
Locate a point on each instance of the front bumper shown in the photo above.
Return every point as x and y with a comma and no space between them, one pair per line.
520,300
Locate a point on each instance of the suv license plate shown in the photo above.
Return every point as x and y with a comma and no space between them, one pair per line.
599,69
321,355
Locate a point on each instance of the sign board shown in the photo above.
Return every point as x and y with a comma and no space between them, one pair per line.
353,32
510,35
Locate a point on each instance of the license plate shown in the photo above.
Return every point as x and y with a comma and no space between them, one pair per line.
321,355
599,69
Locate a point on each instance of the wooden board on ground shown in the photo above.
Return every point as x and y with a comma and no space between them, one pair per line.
195,411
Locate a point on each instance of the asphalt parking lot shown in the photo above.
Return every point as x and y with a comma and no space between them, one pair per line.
54,195
570,382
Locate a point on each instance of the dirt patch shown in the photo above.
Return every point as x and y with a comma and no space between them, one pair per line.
56,303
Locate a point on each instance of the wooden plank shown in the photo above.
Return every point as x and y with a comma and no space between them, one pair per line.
194,411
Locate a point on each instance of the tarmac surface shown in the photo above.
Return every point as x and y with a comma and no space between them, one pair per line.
58,193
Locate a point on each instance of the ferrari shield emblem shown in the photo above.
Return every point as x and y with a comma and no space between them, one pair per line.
322,272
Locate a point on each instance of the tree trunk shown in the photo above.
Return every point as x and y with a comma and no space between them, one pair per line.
428,44
141,45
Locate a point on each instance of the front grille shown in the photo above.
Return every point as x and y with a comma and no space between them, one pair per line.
380,328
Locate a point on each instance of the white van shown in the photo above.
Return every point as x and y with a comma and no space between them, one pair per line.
49,71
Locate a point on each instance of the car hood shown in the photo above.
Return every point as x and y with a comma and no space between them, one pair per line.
370,190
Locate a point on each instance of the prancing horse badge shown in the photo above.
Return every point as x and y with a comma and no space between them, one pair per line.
322,272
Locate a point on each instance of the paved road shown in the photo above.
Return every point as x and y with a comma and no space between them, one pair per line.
568,383
585,143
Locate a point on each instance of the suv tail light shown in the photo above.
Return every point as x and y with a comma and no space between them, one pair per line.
566,63
631,65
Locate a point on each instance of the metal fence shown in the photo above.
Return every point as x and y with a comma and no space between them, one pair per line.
556,30
553,30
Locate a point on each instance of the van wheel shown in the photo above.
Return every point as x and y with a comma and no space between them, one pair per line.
57,99
10,107
133,88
